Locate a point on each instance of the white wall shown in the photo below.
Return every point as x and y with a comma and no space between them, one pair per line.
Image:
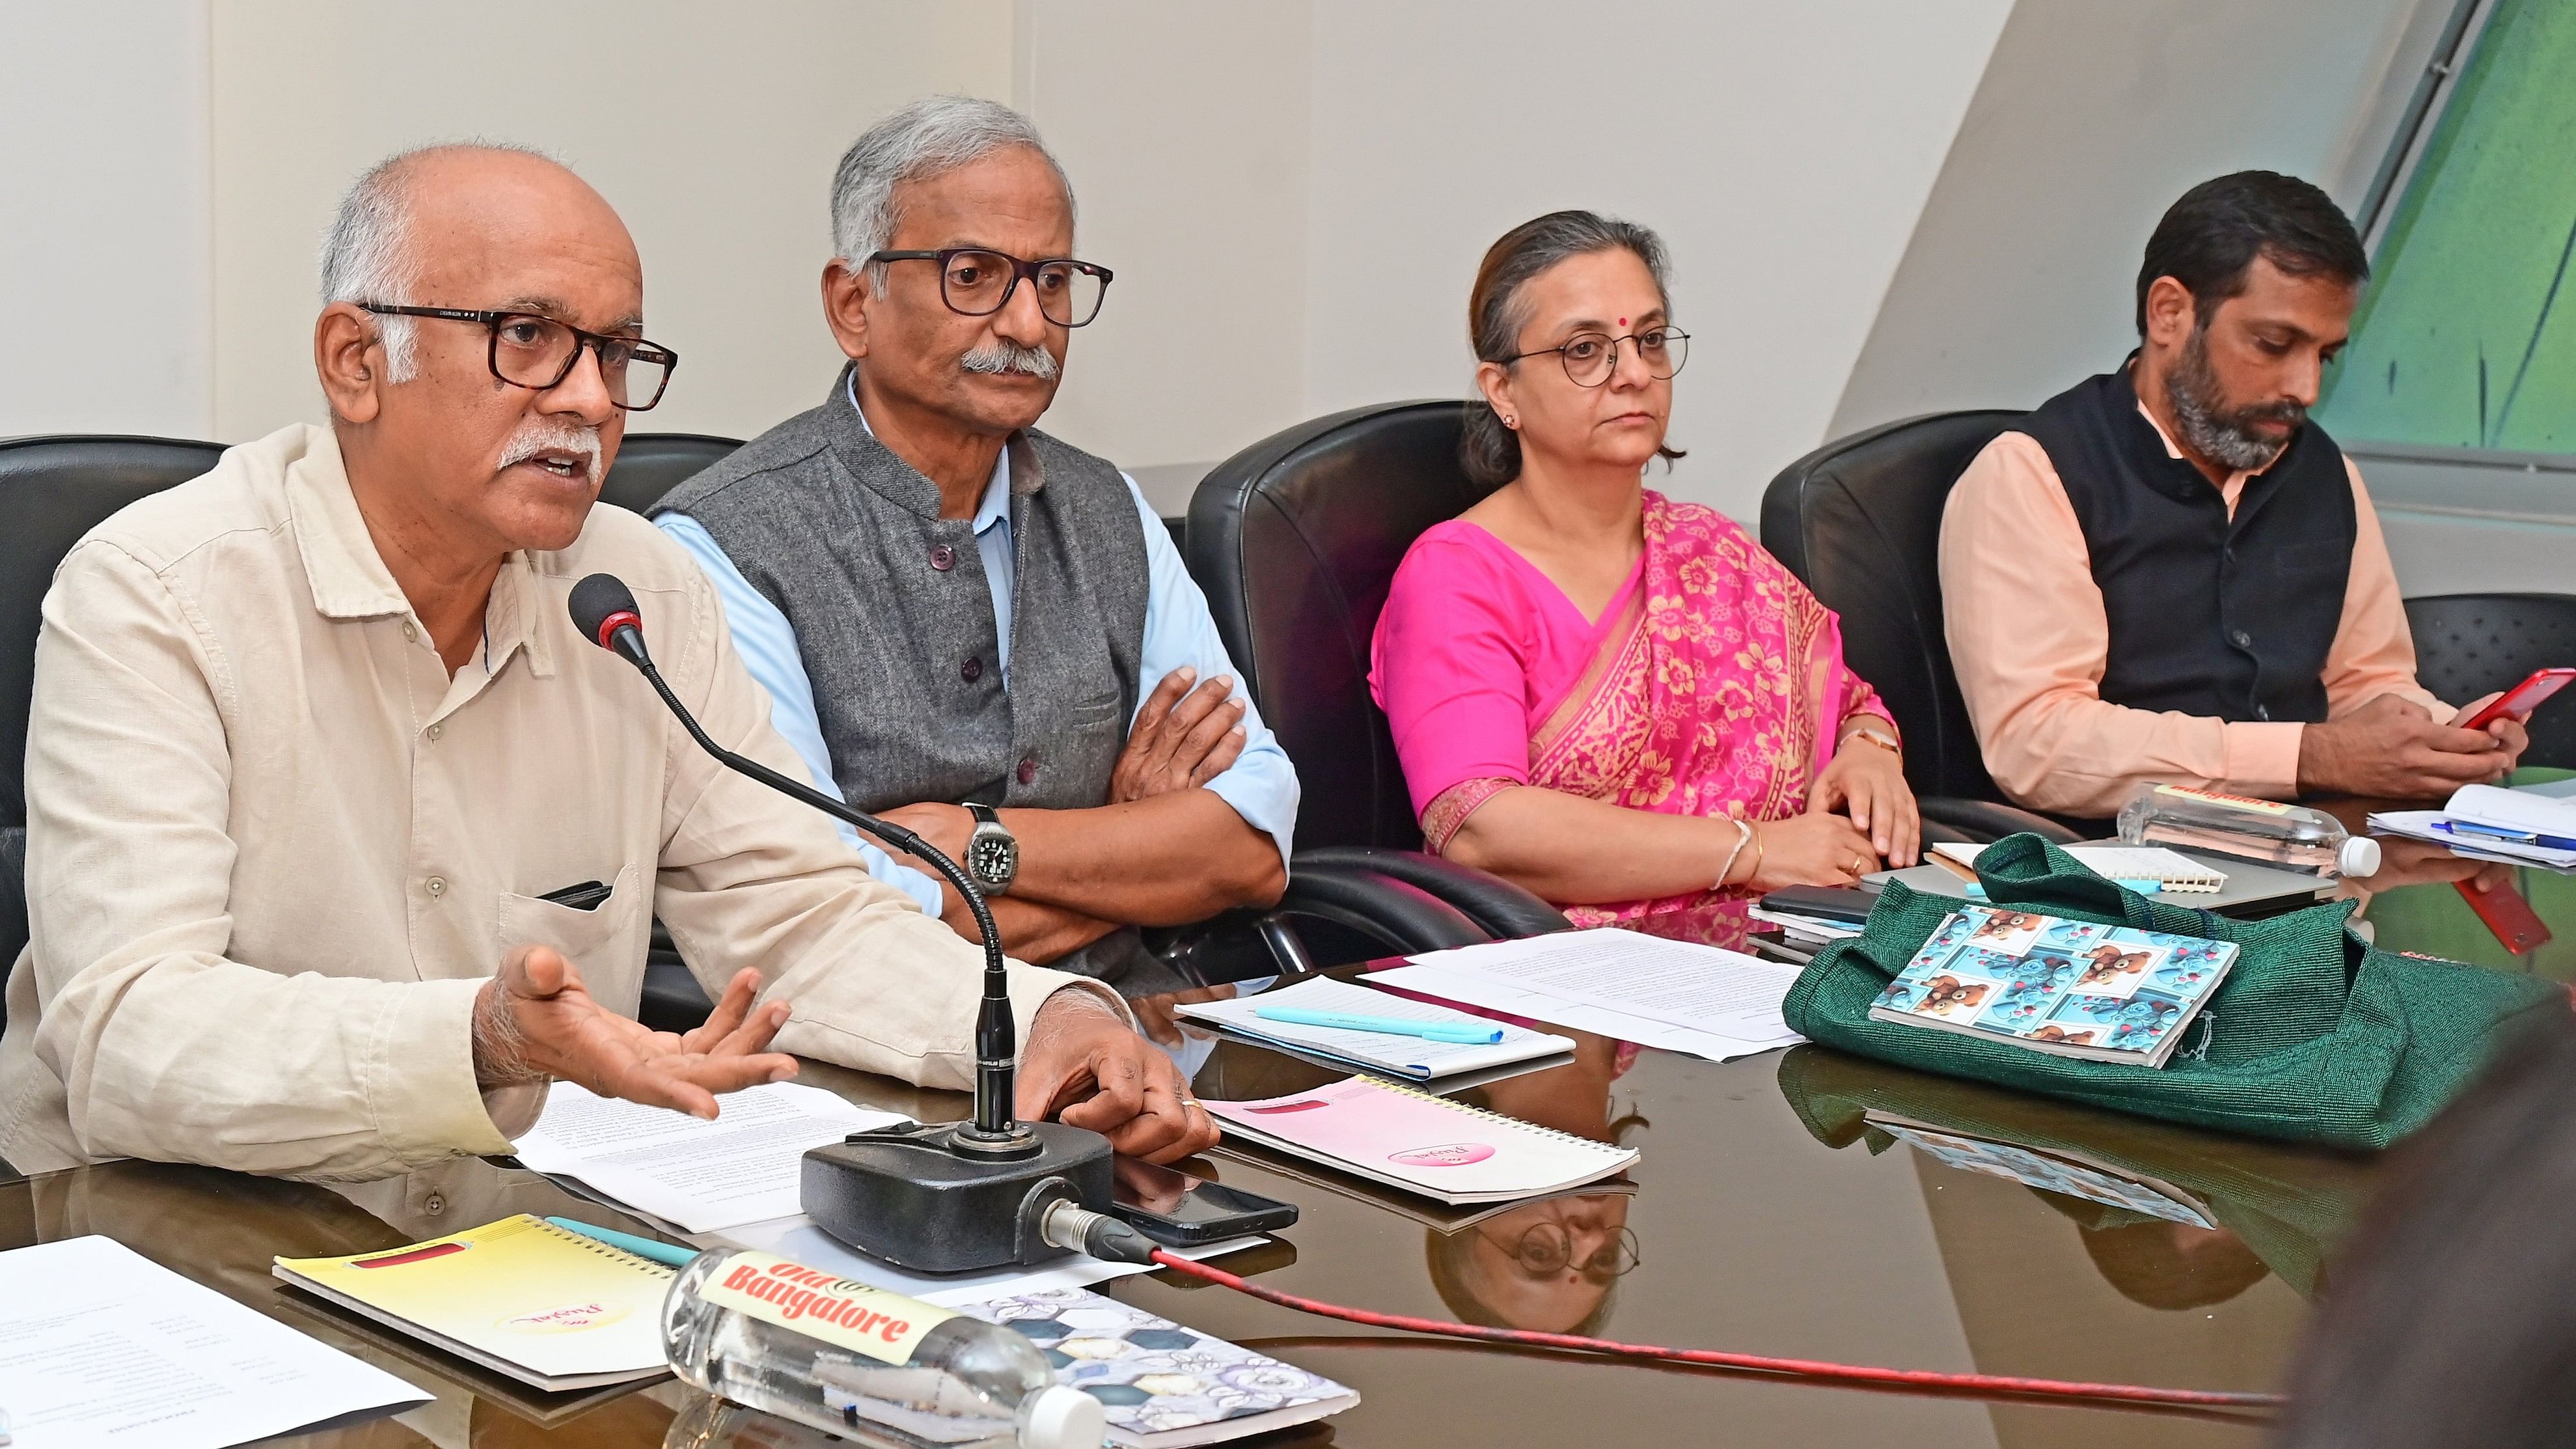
1782,150
104,298
713,132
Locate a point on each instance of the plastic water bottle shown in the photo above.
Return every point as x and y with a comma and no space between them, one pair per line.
2266,830
870,1366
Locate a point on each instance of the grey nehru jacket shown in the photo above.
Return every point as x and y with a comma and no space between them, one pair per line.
895,620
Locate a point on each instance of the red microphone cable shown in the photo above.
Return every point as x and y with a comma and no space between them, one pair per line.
1794,1367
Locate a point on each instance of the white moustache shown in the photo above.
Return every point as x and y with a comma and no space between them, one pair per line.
1003,357
549,436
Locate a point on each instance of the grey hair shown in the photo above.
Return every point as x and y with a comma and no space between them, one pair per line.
926,138
367,253
1497,310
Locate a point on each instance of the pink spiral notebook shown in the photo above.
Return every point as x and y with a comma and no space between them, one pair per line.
1422,1143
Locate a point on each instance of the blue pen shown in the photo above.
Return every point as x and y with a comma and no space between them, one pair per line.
645,1248
1454,1032
2510,837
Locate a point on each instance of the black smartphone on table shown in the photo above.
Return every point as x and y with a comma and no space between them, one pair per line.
1849,905
1181,1211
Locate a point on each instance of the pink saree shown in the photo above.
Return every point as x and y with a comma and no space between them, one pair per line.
1717,688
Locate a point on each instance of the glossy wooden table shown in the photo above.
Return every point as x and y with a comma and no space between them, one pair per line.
1767,1218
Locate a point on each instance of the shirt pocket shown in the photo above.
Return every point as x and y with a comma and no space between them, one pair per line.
605,942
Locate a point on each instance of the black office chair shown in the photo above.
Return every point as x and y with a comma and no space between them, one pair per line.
652,464
1859,520
1295,539
52,491
2469,645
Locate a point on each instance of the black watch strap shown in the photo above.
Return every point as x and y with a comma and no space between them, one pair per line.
984,814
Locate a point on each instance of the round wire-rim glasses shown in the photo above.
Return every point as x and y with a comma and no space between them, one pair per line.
1591,357
545,351
979,281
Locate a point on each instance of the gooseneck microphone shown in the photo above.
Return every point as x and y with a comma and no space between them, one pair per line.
603,608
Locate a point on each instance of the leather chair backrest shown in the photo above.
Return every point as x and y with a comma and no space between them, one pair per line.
2469,645
52,491
1859,520
651,464
1294,539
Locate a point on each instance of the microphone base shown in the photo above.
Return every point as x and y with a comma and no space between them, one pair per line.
919,1198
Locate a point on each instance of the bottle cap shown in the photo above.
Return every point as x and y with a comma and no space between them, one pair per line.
2358,856
1064,1418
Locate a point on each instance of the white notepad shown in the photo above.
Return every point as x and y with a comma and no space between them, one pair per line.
1407,1056
2170,869
1421,1143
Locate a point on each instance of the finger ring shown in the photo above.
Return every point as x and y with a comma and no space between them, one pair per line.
1860,863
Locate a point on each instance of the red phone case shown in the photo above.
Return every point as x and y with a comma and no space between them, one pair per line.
2513,702
2508,915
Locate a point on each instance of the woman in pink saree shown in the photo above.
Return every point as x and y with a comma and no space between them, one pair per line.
1617,700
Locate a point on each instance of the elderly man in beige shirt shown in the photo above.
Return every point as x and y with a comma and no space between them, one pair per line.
314,740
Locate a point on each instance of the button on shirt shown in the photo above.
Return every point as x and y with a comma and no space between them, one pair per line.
274,847
1261,785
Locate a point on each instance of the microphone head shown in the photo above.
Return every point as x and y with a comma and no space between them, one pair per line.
601,605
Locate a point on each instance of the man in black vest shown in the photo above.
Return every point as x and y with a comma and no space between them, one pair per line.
2168,574
964,624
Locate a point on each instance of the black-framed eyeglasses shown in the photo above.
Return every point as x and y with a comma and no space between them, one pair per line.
978,282
1590,357
539,352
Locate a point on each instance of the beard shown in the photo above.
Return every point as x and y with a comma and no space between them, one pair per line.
1010,357
2224,435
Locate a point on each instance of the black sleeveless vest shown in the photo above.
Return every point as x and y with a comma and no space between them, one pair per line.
2209,617
895,621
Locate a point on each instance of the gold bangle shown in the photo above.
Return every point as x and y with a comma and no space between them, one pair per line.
1741,841
1873,737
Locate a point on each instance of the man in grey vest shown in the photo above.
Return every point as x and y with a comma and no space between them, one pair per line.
964,624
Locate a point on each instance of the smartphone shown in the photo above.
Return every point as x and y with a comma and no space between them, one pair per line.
1181,1211
2516,926
2519,701
1849,905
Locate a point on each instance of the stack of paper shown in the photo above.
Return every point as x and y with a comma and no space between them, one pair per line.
2152,866
2533,826
1407,1056
1702,1000
100,1346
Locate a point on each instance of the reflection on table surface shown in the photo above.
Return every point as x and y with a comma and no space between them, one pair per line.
1786,1204
2414,902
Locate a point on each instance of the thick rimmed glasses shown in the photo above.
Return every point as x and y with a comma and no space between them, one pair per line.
1590,357
976,282
539,352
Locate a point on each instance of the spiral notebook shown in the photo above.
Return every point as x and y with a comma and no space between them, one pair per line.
1422,1143
519,1296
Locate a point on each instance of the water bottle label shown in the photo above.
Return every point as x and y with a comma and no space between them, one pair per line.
842,1312
2236,802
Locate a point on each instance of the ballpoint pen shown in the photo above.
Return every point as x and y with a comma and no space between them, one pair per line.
666,1254
1457,1033
2508,836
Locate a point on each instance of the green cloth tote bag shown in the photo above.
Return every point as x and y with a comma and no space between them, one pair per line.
2315,1036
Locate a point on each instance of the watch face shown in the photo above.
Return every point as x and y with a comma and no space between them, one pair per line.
992,858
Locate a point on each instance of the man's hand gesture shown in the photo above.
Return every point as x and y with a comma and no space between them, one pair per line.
537,1021
1181,738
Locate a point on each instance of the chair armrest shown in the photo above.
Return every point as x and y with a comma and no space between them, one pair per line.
1332,885
1985,820
1504,911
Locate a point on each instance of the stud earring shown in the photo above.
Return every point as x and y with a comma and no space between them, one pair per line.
1513,423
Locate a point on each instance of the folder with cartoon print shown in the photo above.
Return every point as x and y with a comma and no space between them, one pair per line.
2068,988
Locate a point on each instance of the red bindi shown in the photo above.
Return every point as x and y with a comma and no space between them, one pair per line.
1623,321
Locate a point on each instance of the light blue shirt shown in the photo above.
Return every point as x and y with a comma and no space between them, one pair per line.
1261,785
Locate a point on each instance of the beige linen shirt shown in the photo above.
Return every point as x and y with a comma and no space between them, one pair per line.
273,848
2030,641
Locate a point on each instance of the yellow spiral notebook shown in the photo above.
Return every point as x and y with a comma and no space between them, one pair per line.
519,1296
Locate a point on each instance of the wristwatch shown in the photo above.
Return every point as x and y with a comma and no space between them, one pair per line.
992,852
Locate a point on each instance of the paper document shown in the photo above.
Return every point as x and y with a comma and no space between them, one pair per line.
1679,983
1408,1056
741,1168
1572,1015
801,1240
101,1346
